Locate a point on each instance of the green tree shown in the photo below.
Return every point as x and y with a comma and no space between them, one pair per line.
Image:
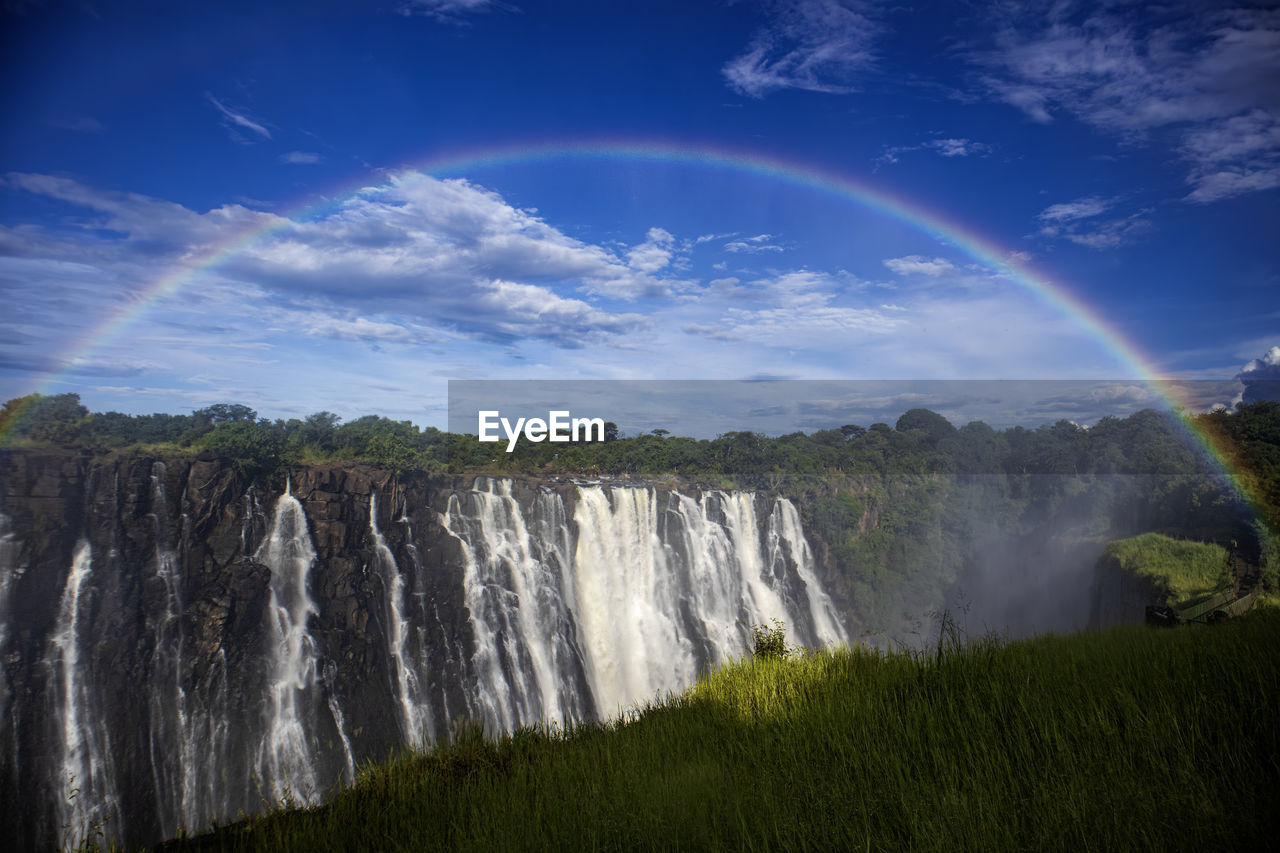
253,448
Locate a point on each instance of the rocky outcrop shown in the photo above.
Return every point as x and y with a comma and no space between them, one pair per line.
1120,595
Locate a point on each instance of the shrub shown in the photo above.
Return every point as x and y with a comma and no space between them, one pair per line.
770,642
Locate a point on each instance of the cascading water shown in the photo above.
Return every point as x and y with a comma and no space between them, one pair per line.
628,599
8,574
788,548
168,701
524,652
330,677
663,592
286,756
524,605
415,718
89,803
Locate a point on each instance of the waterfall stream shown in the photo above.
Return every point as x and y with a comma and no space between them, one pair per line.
89,800
512,606
288,747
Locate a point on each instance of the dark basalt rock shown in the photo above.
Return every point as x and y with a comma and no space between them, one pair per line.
138,665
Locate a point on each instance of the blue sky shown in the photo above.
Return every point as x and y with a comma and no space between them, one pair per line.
1128,152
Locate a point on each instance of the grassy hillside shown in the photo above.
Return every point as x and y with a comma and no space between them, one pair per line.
1186,571
1132,738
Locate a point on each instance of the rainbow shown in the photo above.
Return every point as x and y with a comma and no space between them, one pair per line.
821,180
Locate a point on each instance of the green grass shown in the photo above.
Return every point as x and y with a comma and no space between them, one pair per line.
1128,739
1187,571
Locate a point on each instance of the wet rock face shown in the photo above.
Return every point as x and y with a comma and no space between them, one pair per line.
1120,596
179,644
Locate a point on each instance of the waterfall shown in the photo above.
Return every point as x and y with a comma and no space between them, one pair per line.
9,572
414,716
668,586
629,601
330,677
175,786
286,756
517,605
524,652
787,547
88,802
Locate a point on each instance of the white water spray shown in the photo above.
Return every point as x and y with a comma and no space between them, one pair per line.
415,718
89,803
287,753
518,614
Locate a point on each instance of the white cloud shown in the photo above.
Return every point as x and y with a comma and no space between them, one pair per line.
447,10
957,147
1078,222
324,325
654,253
793,307
815,45
139,218
1267,367
1207,76
707,238
1071,211
919,265
759,244
948,147
1261,377
239,119
301,158
444,255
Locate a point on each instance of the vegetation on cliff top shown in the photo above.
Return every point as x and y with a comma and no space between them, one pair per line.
1128,739
920,442
1185,571
905,512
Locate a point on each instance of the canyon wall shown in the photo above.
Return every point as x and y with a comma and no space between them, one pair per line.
180,645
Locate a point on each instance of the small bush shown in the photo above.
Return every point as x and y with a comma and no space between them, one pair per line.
770,642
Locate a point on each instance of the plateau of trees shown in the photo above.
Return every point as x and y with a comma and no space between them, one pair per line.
920,443
905,512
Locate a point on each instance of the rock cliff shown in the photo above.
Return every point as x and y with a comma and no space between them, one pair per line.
180,644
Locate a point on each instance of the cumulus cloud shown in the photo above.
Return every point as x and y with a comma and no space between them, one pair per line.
791,307
919,265
441,255
654,253
1261,377
1209,77
815,45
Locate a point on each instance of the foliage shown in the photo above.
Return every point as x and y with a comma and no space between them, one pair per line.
903,513
1128,739
55,419
251,449
1185,570
770,642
